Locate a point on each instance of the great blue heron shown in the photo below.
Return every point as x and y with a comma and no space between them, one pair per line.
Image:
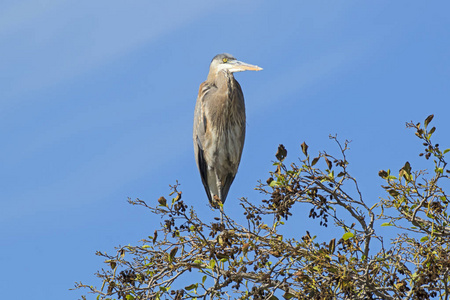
219,126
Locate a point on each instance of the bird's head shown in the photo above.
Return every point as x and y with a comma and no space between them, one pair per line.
226,62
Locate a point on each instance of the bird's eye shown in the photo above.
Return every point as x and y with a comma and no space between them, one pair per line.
225,59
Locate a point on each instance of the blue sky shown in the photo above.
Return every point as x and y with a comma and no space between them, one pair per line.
97,101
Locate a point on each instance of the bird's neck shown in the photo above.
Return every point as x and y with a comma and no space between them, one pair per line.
222,80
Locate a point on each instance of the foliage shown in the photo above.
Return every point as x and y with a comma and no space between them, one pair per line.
188,258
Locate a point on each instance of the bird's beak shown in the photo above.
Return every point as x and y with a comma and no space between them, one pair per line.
239,66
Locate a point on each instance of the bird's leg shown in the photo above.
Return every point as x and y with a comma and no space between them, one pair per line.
219,191
219,187
221,215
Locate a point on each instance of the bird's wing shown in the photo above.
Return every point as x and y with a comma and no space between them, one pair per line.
203,167
200,125
241,108
226,186
238,98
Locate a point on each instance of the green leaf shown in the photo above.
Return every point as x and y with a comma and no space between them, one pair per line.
281,153
347,235
383,174
446,150
331,175
191,286
162,201
222,256
112,263
274,183
304,148
178,197
424,239
393,193
155,236
212,263
428,120
129,297
204,279
314,161
329,164
332,246
288,296
173,252
386,224
407,167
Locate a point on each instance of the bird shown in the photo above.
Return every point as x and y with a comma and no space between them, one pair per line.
219,127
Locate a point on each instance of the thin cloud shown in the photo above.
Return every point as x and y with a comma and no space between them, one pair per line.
63,41
100,176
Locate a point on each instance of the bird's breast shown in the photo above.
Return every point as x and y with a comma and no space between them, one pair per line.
224,111
226,148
